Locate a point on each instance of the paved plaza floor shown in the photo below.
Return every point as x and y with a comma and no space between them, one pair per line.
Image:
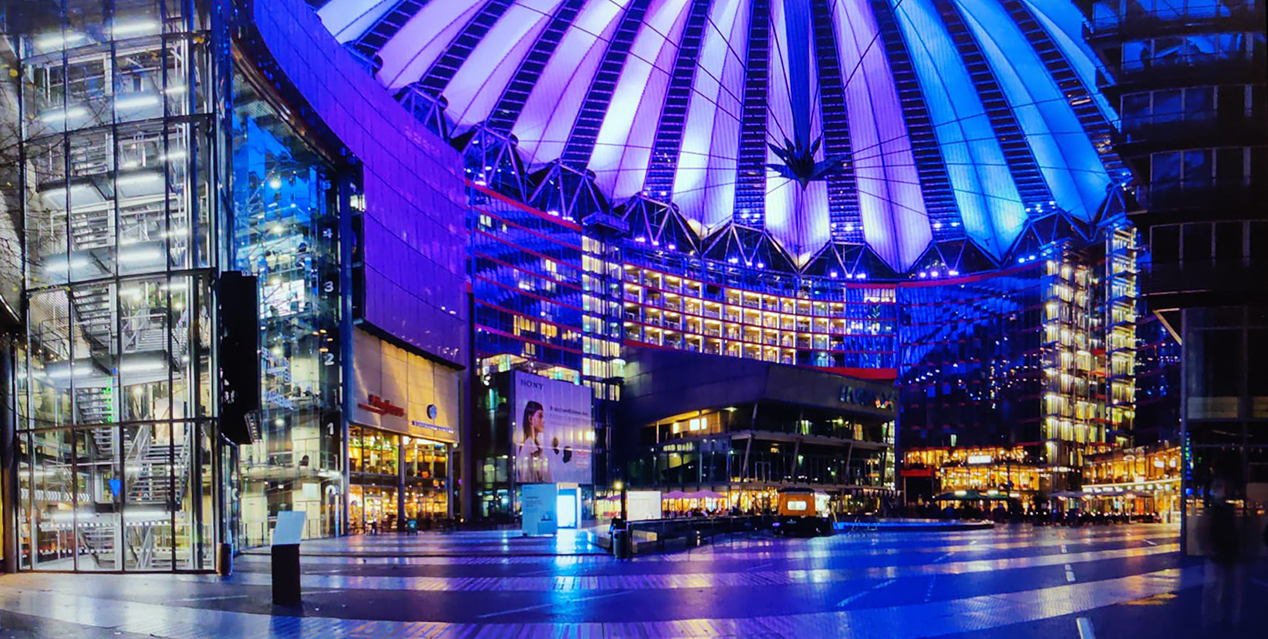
1012,581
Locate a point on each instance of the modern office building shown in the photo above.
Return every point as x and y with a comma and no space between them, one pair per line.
1189,82
1025,370
742,429
157,149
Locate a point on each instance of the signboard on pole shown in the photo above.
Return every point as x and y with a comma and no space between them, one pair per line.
642,505
539,504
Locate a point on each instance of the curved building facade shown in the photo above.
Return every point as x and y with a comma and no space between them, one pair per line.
805,136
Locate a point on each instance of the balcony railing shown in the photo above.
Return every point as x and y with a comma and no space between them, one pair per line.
1162,127
1179,14
1190,66
1214,193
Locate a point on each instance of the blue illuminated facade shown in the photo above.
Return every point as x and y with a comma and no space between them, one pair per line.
286,232
526,281
870,187
857,136
1029,369
924,194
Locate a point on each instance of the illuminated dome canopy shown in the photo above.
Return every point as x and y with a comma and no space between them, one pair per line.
901,133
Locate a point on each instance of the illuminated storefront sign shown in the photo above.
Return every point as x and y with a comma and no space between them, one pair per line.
402,391
866,398
383,406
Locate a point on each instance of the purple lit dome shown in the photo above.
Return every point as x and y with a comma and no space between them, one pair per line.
819,136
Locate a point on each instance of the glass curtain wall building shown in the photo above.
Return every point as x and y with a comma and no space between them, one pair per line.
1030,369
1189,82
532,297
286,232
122,178
153,155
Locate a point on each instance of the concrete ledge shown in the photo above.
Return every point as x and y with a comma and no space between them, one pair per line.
916,525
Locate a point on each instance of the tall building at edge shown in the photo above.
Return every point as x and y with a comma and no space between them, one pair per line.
1188,81
238,295
376,260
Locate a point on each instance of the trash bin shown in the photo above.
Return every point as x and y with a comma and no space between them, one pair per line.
621,543
224,560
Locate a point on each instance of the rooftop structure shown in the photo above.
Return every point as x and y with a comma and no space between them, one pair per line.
808,136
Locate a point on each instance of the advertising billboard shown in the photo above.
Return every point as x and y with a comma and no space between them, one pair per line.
552,430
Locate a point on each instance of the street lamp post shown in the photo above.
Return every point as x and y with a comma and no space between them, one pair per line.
620,485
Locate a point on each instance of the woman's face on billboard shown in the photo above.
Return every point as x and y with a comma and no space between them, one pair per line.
536,421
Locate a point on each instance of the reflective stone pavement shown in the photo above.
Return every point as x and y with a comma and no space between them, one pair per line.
1119,581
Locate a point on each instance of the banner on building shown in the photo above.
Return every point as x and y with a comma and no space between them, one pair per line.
552,430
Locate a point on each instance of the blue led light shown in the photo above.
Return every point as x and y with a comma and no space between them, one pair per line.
599,103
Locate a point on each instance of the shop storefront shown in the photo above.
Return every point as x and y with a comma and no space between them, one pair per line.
381,462
401,437
1142,481
1019,472
714,448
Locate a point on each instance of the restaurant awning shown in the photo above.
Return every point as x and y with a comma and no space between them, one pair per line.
706,494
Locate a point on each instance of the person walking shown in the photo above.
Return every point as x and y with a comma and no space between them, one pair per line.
1225,581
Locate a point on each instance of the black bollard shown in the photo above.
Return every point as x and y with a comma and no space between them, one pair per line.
286,590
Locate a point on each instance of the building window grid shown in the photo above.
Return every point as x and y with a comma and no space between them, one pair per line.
680,312
127,297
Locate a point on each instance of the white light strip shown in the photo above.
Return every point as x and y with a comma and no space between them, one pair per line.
60,115
134,28
136,101
141,367
137,178
58,40
140,257
59,264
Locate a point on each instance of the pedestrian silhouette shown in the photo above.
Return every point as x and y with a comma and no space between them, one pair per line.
1223,546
